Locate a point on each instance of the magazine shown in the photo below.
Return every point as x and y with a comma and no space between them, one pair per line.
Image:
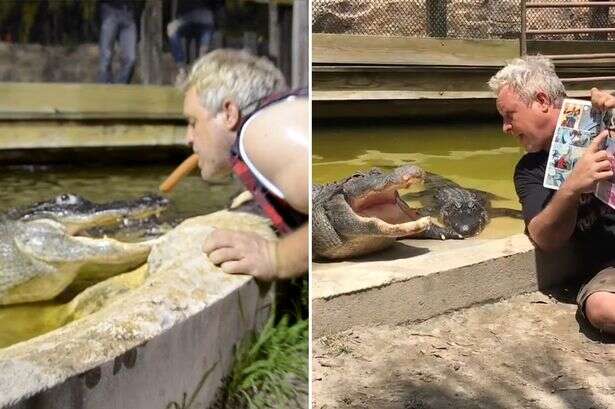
577,125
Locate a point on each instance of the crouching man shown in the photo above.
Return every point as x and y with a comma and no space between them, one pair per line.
242,119
529,97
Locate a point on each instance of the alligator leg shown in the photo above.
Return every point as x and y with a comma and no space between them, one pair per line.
439,233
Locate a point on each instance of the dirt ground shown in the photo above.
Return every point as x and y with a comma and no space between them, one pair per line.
531,351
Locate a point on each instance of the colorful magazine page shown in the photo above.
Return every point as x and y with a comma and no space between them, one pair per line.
577,125
605,190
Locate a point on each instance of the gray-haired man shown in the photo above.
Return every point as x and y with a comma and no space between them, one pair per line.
529,97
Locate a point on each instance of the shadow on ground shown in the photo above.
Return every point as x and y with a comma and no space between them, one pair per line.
526,352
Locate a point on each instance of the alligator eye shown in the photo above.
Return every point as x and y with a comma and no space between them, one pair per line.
471,204
458,205
66,199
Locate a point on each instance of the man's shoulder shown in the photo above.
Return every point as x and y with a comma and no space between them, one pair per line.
533,160
530,170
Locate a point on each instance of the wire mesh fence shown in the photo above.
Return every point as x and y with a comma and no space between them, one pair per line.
468,19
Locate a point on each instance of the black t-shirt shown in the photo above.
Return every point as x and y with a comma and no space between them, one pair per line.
595,227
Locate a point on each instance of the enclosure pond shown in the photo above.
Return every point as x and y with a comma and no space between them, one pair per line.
24,185
474,156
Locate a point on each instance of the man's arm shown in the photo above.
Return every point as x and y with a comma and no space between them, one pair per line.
248,253
553,226
277,143
293,254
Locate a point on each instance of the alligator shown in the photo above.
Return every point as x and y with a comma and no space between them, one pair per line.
176,267
363,213
41,254
465,211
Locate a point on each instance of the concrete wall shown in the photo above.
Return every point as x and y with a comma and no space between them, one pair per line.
418,280
186,362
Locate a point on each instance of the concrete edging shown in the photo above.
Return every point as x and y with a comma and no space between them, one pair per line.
170,340
400,290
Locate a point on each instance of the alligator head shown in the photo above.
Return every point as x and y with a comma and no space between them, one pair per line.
76,213
364,213
464,211
40,254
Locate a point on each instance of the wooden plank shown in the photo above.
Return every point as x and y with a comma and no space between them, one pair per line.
400,78
42,134
301,47
478,106
416,95
88,101
274,31
353,49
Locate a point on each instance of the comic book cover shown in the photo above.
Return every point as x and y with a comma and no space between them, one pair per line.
605,190
577,125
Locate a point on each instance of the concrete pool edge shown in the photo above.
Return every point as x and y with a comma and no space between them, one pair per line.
169,340
401,290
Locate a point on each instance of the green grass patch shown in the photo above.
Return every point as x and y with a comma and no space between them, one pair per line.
271,367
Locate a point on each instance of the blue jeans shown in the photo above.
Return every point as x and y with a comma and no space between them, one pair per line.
198,24
120,24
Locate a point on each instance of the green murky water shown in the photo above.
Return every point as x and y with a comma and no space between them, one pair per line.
20,186
23,185
476,156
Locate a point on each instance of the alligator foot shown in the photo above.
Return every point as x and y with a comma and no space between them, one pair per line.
439,233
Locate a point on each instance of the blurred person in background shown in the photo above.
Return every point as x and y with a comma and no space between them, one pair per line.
118,22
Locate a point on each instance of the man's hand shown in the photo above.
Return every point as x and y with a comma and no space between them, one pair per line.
242,253
594,166
602,100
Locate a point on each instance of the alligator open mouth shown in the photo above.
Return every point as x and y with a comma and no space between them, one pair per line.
385,204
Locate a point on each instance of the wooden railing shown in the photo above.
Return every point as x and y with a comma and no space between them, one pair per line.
525,5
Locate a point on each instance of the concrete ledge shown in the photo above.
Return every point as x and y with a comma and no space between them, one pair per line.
170,340
419,279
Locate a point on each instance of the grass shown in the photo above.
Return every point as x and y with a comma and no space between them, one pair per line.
271,366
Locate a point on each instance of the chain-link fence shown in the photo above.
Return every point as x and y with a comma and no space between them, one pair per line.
479,19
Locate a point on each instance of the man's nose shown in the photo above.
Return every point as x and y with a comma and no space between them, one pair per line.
507,127
189,136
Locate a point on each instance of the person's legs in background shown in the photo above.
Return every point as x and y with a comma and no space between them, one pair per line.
108,31
207,32
128,49
176,34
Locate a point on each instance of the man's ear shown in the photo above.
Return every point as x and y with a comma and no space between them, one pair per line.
231,115
544,101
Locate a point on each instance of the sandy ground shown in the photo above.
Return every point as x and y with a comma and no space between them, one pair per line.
531,351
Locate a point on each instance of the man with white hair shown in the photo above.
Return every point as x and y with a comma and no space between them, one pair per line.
241,119
529,98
